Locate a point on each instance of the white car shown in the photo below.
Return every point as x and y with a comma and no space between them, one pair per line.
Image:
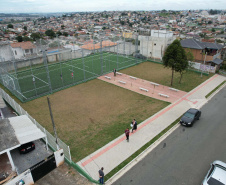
216,174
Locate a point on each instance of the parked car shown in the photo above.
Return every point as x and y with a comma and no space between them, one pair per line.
190,116
25,148
216,174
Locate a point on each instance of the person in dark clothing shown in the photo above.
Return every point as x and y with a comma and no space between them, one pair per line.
101,175
134,125
127,134
114,71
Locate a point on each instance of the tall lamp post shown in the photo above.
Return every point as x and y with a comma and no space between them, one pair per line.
54,128
204,64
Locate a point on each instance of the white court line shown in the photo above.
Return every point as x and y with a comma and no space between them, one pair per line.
80,69
40,79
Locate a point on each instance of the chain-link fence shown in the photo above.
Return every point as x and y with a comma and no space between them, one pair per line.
50,140
56,66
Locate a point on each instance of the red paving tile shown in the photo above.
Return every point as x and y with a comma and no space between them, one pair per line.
134,84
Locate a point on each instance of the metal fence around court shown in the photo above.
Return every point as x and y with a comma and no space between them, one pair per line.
50,139
31,78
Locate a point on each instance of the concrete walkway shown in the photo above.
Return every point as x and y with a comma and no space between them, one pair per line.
144,87
115,152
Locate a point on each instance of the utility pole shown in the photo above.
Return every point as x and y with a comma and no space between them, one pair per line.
54,128
204,64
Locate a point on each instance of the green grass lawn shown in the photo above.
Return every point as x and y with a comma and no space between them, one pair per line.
92,114
159,74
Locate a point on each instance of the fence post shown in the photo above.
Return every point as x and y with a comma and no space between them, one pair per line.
36,122
20,110
69,151
46,139
15,105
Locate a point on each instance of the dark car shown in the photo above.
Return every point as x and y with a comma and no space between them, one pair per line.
25,148
190,116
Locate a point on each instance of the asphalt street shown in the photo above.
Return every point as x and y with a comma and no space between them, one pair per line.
184,157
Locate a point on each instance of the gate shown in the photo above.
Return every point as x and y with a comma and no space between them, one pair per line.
42,168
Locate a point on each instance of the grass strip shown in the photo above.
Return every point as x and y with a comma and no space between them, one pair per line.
138,152
215,89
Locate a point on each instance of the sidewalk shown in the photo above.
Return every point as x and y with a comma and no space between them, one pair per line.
118,150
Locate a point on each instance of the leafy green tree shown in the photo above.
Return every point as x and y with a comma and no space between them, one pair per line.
59,33
35,36
62,26
25,38
10,26
183,65
175,58
65,34
25,28
19,38
213,30
50,33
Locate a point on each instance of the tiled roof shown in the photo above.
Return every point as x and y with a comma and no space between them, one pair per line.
195,44
91,46
23,45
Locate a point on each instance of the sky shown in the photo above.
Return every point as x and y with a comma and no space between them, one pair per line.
45,6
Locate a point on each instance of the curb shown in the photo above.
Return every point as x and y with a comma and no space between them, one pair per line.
152,146
140,156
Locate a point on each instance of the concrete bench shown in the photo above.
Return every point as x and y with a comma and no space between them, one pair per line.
122,82
108,77
143,89
173,89
164,95
152,83
133,77
118,73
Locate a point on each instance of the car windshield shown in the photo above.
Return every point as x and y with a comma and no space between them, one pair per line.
189,115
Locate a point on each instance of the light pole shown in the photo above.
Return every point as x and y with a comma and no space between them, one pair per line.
204,64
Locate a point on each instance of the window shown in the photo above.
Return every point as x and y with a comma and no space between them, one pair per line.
31,51
26,50
154,44
15,52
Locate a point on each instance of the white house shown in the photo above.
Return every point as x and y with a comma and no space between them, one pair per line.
23,49
154,45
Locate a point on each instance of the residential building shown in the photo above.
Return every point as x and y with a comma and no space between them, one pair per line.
153,46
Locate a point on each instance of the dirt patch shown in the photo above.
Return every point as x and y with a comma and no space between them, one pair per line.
63,175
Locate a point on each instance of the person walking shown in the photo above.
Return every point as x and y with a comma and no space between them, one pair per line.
127,134
114,71
101,175
134,125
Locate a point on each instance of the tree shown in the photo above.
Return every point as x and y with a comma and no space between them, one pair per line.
65,34
59,33
10,26
183,65
25,38
175,57
62,26
25,28
19,38
213,30
50,33
35,36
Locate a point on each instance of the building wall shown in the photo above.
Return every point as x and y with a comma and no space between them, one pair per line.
154,47
5,52
199,56
18,53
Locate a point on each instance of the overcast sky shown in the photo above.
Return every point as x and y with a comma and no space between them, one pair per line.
36,6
